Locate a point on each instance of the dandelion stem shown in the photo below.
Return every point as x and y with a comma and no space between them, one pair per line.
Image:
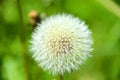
115,9
61,77
22,40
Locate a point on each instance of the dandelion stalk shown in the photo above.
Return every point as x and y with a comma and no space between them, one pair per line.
22,39
115,9
61,77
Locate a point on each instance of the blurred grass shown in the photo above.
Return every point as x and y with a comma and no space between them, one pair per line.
104,23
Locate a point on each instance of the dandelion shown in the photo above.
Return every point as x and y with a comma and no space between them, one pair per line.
61,43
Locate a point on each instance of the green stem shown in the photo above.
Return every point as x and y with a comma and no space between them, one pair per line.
22,40
115,9
61,77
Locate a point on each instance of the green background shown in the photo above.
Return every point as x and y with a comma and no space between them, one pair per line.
102,16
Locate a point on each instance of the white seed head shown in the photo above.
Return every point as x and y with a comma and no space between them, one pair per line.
61,43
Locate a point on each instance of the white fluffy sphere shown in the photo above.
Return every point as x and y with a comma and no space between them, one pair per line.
61,43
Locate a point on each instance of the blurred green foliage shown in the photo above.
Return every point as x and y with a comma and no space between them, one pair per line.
16,62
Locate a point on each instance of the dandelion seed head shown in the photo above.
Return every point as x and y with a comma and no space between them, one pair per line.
61,43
